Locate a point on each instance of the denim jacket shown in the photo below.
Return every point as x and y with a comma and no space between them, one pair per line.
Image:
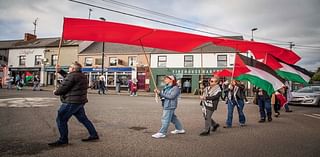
169,97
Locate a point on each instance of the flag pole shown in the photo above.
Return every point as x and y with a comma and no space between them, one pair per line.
58,61
149,68
201,74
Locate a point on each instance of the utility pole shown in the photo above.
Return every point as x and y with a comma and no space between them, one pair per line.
90,10
35,26
291,45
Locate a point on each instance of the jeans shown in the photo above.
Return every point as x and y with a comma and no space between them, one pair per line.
264,107
64,114
167,117
240,105
286,106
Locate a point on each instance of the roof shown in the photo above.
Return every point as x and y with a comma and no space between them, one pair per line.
36,43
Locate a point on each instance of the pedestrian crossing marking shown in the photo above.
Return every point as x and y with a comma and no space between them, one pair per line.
317,116
28,102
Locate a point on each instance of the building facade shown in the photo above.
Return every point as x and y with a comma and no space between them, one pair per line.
121,64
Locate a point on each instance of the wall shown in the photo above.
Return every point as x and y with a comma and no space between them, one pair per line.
29,53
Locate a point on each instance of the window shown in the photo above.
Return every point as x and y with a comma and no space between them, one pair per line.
132,60
88,61
188,61
113,61
98,61
0,57
162,61
222,60
231,60
54,59
22,60
37,59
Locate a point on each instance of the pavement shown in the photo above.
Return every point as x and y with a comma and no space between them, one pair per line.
125,125
113,92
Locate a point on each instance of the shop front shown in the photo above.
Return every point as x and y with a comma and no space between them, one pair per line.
22,71
189,78
120,75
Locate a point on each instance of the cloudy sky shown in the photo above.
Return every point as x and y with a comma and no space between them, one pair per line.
278,21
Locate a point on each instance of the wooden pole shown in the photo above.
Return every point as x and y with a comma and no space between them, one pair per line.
58,63
152,77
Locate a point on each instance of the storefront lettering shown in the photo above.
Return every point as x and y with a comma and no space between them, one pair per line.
26,52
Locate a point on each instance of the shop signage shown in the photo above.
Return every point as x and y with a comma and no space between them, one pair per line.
194,71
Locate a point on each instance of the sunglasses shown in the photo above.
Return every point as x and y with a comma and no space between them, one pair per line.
212,81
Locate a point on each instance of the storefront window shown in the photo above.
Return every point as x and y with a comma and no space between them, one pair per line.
110,79
124,78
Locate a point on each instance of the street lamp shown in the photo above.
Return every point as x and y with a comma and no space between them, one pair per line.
102,64
252,30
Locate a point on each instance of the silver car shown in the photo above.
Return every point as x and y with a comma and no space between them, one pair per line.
306,96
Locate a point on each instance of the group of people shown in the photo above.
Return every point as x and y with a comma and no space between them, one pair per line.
73,95
235,97
19,81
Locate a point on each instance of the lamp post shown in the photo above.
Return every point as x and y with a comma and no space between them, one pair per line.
102,64
252,30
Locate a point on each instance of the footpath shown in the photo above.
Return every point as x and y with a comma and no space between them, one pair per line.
113,92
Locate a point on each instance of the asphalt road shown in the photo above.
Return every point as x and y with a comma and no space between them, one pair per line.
125,125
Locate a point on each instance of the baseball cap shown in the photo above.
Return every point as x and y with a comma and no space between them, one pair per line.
171,77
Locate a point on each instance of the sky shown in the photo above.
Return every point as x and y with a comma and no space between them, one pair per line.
278,21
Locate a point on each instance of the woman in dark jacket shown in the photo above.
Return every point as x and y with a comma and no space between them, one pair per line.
209,103
235,98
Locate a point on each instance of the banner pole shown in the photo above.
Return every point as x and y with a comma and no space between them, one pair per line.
58,64
151,73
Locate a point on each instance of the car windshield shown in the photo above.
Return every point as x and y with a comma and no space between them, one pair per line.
309,90
305,90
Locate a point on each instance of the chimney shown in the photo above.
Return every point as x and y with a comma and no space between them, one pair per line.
28,37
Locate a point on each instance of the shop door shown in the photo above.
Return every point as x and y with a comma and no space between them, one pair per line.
141,81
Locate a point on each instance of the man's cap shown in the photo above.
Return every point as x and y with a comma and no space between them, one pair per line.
171,77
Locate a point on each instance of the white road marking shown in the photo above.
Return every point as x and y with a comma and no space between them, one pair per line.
28,102
317,116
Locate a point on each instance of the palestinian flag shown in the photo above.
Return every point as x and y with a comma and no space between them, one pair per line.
287,71
257,73
28,76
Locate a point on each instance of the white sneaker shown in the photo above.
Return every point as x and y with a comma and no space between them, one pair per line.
178,131
159,135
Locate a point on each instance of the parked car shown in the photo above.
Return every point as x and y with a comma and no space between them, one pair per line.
306,96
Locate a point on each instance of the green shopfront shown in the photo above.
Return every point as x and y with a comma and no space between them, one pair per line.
183,75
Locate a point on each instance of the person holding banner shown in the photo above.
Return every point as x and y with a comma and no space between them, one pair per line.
209,103
73,95
169,97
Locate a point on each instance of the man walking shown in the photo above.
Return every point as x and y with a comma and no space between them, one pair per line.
36,83
73,94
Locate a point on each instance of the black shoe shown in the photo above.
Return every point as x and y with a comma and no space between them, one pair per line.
277,114
57,144
289,111
269,119
91,138
261,120
215,127
205,133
